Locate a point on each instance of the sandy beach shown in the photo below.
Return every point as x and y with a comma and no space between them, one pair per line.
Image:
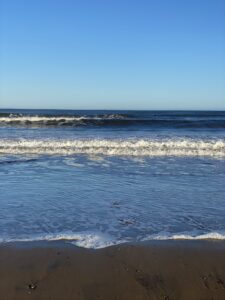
166,270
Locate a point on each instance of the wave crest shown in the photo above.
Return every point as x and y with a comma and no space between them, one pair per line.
98,240
60,120
90,240
109,119
115,147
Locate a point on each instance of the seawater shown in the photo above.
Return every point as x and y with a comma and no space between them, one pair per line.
98,178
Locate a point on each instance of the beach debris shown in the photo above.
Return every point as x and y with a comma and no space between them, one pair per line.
137,271
31,287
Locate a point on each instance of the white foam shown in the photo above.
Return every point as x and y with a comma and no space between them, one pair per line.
115,147
187,236
96,240
90,240
35,119
38,119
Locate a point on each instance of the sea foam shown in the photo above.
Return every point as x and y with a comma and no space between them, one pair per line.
187,236
90,240
115,147
96,240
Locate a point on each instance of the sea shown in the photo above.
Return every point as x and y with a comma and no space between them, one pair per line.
100,178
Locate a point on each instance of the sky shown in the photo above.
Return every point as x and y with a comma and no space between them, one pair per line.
112,54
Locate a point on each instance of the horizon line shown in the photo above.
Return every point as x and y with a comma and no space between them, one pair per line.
112,109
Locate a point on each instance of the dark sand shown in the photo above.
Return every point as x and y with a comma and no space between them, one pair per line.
156,270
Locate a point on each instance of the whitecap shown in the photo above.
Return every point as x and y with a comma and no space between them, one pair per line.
115,147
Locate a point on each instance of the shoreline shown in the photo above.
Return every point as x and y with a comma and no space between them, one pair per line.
166,270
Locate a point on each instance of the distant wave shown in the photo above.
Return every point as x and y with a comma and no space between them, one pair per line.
58,120
7,119
115,147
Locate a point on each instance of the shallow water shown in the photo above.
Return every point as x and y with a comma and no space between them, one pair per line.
115,177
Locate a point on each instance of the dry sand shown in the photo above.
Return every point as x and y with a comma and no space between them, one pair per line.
156,270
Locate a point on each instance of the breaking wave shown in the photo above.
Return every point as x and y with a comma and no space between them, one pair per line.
96,240
115,147
60,120
187,236
91,240
117,119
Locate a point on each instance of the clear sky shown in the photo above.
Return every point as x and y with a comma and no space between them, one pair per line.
112,54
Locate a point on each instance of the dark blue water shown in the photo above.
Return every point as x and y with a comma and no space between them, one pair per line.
103,177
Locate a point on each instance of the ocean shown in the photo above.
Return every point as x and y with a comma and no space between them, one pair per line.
99,178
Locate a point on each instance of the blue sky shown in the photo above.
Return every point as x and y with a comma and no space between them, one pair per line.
112,54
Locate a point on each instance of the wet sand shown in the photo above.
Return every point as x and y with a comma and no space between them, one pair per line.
155,270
